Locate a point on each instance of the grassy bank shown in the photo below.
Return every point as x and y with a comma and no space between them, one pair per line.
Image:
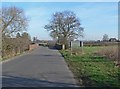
0,58
13,56
92,70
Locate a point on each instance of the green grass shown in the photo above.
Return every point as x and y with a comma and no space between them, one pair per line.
92,70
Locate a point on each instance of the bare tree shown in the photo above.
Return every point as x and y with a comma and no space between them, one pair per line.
64,26
13,20
34,39
105,37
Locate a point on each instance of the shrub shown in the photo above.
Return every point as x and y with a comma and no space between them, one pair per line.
111,52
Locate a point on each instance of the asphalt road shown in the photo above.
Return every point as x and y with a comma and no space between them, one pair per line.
42,67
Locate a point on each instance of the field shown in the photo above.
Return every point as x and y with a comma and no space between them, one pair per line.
91,69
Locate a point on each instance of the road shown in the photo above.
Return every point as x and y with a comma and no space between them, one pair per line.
43,67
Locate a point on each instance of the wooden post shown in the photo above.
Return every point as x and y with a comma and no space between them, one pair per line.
63,46
81,45
71,47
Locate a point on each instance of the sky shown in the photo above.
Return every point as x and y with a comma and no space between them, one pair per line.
60,0
97,18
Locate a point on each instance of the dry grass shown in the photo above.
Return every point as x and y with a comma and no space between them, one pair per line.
111,52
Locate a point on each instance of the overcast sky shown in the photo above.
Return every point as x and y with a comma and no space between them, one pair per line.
97,18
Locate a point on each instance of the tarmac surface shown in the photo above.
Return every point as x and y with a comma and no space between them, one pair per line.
43,67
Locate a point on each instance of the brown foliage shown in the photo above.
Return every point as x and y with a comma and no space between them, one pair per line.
13,21
111,52
13,46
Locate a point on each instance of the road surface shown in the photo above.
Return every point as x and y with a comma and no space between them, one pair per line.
42,67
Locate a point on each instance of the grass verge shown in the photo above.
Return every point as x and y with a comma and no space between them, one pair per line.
92,70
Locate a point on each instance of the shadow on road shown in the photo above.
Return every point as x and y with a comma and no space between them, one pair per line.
14,81
45,55
52,47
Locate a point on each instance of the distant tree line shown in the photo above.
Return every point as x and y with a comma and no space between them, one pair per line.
107,39
15,39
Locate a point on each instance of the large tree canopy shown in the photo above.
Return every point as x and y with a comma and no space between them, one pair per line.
13,20
64,26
